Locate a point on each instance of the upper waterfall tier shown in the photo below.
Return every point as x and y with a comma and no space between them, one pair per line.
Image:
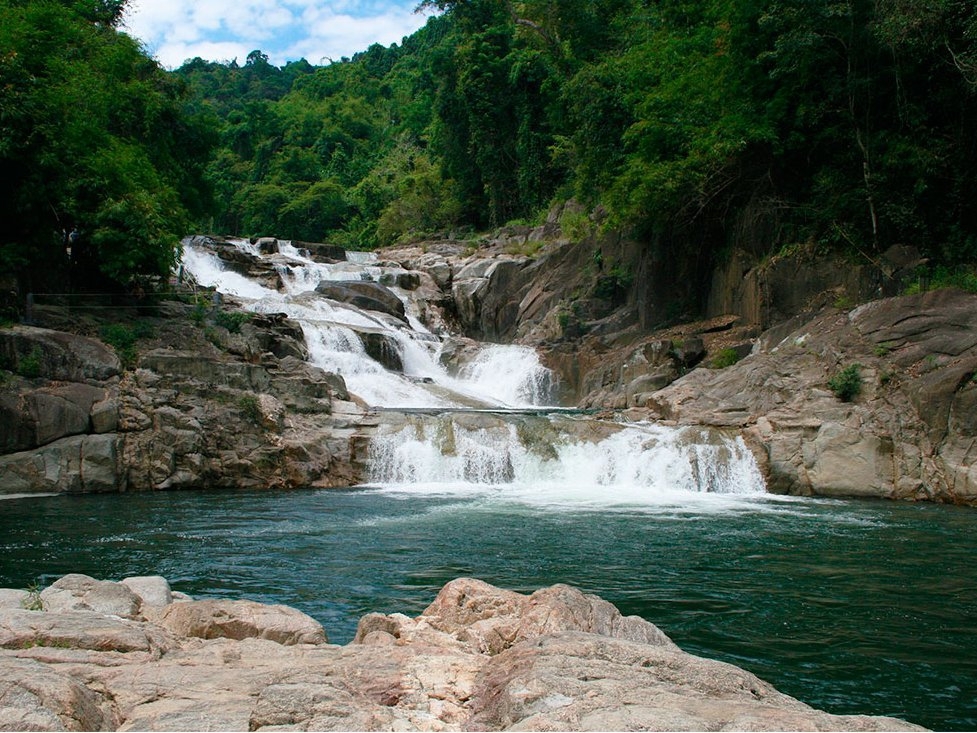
387,355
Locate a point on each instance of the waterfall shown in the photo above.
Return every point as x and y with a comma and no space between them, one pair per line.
508,443
551,458
332,332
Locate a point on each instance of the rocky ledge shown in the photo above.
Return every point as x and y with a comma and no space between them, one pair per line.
134,655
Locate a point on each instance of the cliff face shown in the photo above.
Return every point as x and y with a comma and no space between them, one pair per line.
201,406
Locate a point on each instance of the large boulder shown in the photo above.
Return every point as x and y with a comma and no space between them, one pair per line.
58,355
80,463
76,592
491,620
363,294
213,619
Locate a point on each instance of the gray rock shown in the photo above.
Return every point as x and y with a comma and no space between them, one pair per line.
382,348
61,356
105,416
367,295
78,592
152,590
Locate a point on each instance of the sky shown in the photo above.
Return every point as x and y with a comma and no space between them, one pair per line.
319,31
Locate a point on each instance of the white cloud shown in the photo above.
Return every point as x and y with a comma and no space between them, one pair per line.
220,30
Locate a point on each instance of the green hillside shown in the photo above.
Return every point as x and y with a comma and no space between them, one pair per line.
694,125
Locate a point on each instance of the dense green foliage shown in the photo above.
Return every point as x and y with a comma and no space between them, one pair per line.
95,139
697,123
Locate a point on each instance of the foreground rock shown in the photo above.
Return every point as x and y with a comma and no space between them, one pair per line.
478,658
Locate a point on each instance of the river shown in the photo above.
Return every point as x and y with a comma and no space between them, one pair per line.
854,607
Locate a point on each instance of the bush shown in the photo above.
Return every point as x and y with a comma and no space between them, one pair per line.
232,320
122,337
250,409
847,384
725,358
29,367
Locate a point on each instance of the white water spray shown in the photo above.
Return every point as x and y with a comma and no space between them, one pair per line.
332,334
541,459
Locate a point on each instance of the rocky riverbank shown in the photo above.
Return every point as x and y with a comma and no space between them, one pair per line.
200,404
85,654
201,394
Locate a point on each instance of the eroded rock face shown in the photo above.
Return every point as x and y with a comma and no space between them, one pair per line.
909,434
478,658
220,409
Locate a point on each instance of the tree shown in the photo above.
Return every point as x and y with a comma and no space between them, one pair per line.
95,138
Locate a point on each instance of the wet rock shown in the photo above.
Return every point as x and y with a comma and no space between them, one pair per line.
382,348
369,296
320,252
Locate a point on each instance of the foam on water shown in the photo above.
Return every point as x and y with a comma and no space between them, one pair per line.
631,466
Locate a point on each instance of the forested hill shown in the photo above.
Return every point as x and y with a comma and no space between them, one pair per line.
695,125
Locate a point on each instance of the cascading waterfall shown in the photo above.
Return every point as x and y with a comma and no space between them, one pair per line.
555,459
535,455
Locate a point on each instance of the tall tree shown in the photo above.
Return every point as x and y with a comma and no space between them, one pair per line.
97,144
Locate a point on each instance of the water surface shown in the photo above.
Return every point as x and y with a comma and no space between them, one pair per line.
854,607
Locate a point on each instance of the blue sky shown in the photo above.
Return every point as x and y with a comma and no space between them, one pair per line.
220,30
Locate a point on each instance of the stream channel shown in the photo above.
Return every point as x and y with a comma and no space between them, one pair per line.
850,606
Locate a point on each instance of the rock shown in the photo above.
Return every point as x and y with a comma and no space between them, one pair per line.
478,658
690,351
33,696
36,417
322,252
59,355
908,435
366,295
266,245
80,463
382,348
105,416
13,598
152,590
212,619
79,629
576,681
83,593
660,378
